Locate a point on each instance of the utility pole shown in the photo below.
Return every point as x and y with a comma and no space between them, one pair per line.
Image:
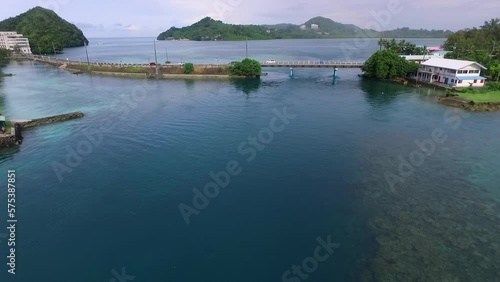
166,52
246,47
156,59
87,53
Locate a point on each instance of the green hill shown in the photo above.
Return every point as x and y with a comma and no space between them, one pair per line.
406,32
209,29
45,30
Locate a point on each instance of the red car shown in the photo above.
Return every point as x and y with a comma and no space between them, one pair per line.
152,64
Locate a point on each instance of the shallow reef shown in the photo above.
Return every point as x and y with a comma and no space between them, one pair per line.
433,227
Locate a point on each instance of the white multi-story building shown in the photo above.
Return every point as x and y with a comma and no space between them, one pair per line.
314,26
11,40
456,73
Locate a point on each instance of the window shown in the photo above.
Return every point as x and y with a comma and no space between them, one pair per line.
459,82
482,80
475,80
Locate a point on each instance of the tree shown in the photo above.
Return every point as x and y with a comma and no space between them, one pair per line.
387,64
4,56
402,47
188,68
476,44
495,71
247,68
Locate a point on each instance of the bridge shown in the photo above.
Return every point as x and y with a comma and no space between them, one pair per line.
274,64
311,64
267,64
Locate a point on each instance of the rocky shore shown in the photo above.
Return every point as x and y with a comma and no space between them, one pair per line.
455,101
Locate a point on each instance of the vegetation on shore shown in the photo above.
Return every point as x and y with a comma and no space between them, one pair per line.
246,68
209,29
4,56
46,31
402,47
188,68
490,93
387,64
167,69
477,44
4,59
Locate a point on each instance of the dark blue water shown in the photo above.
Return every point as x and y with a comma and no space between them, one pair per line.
116,205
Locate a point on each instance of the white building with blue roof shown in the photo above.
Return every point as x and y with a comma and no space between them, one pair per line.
455,73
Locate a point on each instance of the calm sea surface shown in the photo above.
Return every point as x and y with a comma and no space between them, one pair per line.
352,162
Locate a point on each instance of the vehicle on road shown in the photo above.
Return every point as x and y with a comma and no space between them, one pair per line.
271,62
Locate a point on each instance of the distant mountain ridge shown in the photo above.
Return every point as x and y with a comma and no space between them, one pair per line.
45,30
209,29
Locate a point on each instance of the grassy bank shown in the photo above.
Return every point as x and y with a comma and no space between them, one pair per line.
481,97
205,70
490,93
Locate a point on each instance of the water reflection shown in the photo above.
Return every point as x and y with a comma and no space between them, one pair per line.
189,83
246,85
379,93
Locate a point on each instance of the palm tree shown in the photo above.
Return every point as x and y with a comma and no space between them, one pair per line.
381,43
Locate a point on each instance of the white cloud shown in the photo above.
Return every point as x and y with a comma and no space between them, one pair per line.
132,27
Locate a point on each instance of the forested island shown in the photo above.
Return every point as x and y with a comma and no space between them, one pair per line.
209,29
46,31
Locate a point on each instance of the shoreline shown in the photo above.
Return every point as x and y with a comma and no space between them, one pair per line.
448,100
150,73
153,75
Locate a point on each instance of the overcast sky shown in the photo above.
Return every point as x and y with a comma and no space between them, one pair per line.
106,18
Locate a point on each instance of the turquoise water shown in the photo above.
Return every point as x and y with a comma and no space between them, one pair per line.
322,174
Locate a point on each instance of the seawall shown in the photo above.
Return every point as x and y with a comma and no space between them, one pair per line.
13,139
52,119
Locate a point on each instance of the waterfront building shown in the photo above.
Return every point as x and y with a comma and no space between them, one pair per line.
13,41
456,73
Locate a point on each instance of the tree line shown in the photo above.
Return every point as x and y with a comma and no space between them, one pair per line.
477,44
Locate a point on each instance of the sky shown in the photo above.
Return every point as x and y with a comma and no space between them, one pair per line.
141,18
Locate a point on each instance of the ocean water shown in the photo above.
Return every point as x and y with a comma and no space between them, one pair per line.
335,161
